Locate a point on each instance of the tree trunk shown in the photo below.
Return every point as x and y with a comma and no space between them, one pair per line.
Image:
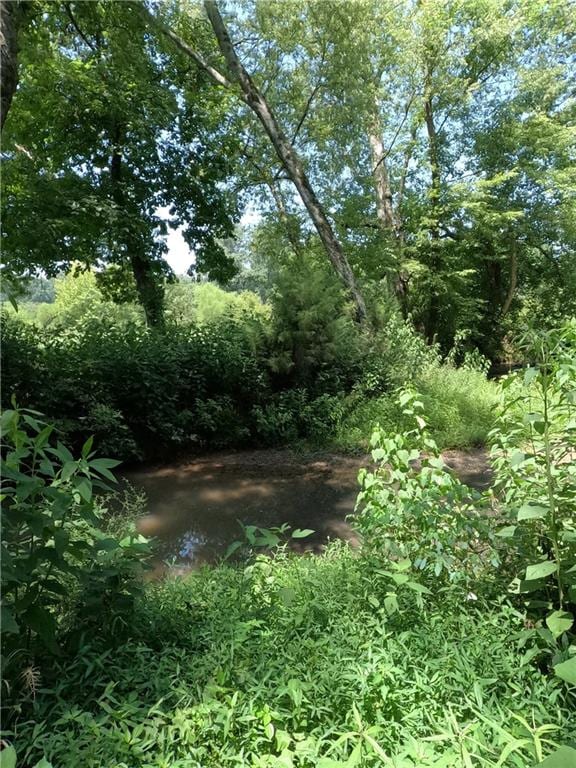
513,279
384,203
388,217
434,196
288,157
150,291
12,14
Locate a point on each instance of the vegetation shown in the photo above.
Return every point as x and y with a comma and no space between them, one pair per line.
376,202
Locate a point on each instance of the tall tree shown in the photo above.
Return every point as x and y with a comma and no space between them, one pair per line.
251,94
112,142
12,16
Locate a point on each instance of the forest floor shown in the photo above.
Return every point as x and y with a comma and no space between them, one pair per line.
195,507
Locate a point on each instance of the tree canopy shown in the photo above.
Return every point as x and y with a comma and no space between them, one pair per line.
428,147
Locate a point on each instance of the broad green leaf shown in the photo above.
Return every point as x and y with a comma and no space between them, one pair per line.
8,757
530,375
507,532
566,671
301,533
530,511
564,757
84,488
559,622
517,458
68,470
525,586
541,570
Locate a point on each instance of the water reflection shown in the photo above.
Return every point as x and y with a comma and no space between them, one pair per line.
196,510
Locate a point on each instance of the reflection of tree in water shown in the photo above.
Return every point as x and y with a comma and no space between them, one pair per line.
189,544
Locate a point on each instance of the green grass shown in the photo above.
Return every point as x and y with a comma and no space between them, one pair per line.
294,662
459,407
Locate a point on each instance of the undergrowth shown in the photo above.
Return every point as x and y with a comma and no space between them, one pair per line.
297,662
459,405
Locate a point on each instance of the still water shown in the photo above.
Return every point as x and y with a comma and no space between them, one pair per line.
195,507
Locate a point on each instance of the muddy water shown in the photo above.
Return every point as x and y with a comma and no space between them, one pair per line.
195,508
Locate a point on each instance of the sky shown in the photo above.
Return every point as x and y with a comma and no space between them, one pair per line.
180,256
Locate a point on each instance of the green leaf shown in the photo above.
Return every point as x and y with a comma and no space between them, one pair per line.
301,533
8,757
43,437
541,570
62,452
517,458
530,511
84,488
103,466
233,547
43,763
42,622
523,587
559,622
530,375
68,470
8,622
566,671
87,447
507,532
565,757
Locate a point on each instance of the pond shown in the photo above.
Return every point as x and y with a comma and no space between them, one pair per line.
196,507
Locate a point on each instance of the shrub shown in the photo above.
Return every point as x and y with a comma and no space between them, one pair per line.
298,662
53,543
533,450
411,506
459,404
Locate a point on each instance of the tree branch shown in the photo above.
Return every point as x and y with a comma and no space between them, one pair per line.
310,100
77,28
183,46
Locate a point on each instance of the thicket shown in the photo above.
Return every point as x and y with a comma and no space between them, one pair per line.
228,370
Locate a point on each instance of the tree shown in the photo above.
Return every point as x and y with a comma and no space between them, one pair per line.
12,17
112,142
254,98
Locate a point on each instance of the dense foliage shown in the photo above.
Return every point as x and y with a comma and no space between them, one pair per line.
406,171
227,370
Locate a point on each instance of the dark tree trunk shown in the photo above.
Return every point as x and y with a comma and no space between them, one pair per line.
150,290
12,14
513,279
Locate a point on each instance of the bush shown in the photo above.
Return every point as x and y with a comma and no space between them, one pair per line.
413,508
533,451
141,392
459,404
54,548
